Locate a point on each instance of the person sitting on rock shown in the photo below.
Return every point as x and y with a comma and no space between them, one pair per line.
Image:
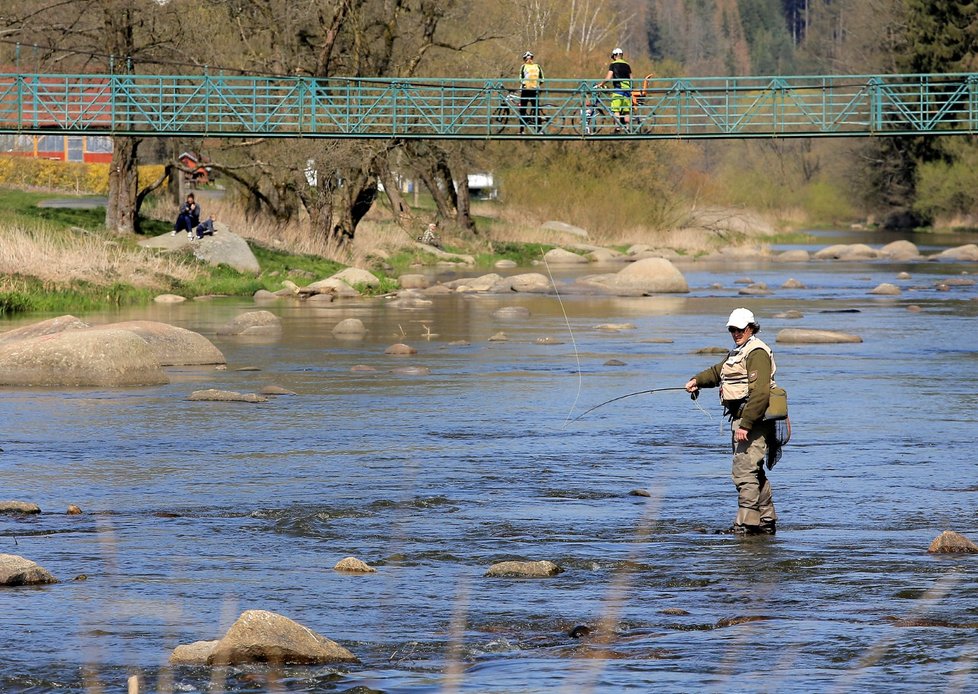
189,217
206,228
430,236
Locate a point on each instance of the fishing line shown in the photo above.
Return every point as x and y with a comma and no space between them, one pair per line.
577,355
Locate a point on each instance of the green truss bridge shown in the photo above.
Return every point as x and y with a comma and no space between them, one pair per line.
661,108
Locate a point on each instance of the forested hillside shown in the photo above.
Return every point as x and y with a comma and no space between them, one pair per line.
898,181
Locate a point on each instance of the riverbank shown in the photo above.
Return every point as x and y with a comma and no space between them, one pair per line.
57,258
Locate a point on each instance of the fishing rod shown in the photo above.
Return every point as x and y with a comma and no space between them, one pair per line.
695,394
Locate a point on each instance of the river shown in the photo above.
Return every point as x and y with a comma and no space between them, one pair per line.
196,511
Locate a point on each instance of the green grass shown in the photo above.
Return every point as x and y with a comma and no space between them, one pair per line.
522,254
29,294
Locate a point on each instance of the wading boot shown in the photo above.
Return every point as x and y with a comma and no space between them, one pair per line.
735,529
768,527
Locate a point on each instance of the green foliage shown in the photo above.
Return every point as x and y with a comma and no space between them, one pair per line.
274,261
949,189
521,253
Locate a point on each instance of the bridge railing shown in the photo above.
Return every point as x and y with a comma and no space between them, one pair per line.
229,106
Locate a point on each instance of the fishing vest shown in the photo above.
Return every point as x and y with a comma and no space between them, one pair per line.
531,75
734,379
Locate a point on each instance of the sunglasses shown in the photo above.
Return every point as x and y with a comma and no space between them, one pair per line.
732,330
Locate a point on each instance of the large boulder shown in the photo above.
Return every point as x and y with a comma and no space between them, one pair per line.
252,323
801,336
526,283
173,346
45,327
482,283
102,357
18,571
354,276
966,252
646,276
559,256
900,250
331,285
259,636
797,255
226,248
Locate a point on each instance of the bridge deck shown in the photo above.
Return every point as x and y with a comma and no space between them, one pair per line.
735,107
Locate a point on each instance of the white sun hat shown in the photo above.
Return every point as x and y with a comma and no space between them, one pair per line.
740,318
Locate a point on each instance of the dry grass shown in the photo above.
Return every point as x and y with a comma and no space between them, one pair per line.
56,258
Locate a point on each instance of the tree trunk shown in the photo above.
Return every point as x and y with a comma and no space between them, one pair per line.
121,210
399,208
463,206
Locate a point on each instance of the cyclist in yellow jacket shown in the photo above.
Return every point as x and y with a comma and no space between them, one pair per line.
531,78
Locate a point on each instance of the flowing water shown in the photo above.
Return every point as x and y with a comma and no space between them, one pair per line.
195,511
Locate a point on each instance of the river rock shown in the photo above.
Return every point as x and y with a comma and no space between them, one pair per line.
559,256
354,565
904,276
316,299
505,264
362,367
800,336
754,291
226,248
332,285
794,256
482,283
354,276
195,653
886,289
614,362
400,349
524,569
792,283
604,255
263,295
215,395
18,571
647,276
252,323
19,507
412,371
259,636
413,281
499,337
349,327
52,326
410,299
275,390
78,358
966,252
712,350
959,282
790,314
169,299
172,345
73,510
509,312
615,327
951,542
527,283
548,341
900,250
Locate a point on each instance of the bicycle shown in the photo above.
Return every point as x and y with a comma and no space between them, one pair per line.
506,116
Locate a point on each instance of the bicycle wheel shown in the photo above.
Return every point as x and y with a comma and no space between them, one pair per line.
499,119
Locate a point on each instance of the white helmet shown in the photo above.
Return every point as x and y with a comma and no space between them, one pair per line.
617,51
740,318
526,55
